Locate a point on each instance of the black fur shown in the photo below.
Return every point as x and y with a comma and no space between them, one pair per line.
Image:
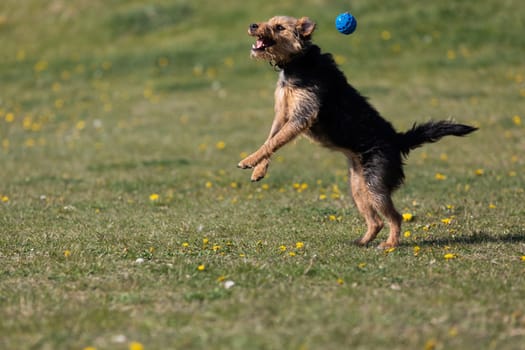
347,121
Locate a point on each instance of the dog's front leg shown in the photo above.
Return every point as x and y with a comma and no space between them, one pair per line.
261,158
294,116
260,169
250,161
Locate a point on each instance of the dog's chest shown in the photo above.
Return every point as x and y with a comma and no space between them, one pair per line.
285,95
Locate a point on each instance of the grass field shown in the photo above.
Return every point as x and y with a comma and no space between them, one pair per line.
124,221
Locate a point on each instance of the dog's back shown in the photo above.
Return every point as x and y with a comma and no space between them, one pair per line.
346,121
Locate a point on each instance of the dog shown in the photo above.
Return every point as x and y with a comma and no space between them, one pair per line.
313,98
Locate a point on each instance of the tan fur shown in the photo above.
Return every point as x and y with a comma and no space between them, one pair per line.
287,42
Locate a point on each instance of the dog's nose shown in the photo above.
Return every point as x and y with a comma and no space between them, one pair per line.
254,26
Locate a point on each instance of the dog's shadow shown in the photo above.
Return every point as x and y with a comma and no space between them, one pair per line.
479,237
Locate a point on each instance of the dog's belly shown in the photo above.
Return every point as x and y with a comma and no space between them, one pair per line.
316,135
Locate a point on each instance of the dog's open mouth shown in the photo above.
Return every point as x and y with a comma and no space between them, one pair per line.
262,44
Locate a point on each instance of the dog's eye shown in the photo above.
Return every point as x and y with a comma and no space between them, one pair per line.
279,28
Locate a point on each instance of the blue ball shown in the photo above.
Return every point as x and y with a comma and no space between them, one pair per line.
345,23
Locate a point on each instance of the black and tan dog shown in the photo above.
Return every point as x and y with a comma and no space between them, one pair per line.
313,98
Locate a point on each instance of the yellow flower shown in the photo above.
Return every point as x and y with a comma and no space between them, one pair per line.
416,249
208,184
523,258
299,245
56,87
221,279
135,346
340,281
447,221
282,248
407,217
40,66
27,122
322,197
5,199
163,61
390,250
386,35
440,177
361,265
430,344
449,256
81,125
59,103
9,117
185,245
89,348
332,217
479,172
220,145
492,206
216,247
407,234
453,332
340,60
228,62
201,267
30,142
292,254
516,120
67,253
265,187
21,55
154,197
205,241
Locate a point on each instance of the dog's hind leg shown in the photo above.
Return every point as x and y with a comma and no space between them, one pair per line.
364,202
384,205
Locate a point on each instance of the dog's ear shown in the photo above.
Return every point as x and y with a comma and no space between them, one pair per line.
305,27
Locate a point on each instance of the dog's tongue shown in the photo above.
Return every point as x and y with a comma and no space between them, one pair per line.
259,44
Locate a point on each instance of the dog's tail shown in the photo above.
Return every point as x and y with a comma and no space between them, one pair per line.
430,132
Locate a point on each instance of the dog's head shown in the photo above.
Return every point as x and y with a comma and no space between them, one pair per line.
281,38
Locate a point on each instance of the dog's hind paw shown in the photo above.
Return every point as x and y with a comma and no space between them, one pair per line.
359,242
386,245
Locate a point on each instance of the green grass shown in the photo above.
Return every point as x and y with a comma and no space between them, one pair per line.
105,103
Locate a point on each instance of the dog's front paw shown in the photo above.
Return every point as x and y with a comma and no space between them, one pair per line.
248,162
244,165
260,170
